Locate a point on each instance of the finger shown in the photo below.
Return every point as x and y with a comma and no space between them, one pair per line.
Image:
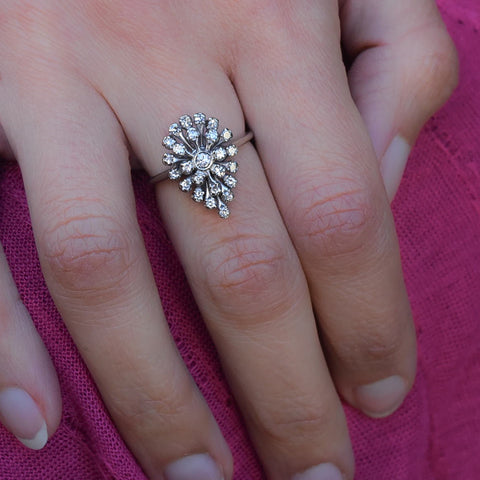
30,401
404,67
77,178
5,150
250,288
325,179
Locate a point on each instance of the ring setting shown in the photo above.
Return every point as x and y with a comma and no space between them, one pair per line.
200,158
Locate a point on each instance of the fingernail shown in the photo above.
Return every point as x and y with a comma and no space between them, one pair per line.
393,164
21,415
325,471
194,467
380,399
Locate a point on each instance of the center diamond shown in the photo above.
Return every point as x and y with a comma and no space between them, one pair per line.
203,160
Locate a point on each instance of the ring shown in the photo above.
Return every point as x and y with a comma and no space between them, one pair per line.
200,158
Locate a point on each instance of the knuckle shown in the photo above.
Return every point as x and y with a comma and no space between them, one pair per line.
383,343
262,9
243,266
437,68
274,13
88,252
150,400
374,345
334,219
283,25
141,409
301,419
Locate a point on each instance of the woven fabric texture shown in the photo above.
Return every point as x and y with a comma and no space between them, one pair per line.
434,435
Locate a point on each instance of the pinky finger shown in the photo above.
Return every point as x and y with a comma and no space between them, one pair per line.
30,402
404,68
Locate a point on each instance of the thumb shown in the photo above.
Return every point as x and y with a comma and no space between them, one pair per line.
404,67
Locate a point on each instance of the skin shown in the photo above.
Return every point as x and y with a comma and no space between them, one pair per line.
305,303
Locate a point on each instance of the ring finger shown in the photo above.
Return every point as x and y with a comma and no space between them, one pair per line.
251,290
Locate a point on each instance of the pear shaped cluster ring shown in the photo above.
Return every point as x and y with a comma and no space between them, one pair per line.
201,158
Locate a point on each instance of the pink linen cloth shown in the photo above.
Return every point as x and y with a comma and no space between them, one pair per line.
434,435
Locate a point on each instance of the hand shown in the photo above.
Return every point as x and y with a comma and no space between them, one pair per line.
84,83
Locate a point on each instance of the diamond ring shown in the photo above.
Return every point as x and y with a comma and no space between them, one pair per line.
201,159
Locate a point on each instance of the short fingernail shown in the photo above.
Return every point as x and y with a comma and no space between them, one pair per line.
380,399
194,467
325,471
393,164
21,415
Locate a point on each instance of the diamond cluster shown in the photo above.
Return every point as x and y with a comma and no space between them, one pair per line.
200,158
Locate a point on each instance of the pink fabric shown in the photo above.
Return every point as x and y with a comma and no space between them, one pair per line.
436,433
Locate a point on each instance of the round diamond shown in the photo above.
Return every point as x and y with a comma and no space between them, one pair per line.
220,154
187,167
199,118
203,160
218,170
175,173
212,123
199,177
179,149
227,195
192,133
215,188
168,159
226,134
175,129
210,202
232,150
230,181
186,184
169,142
198,194
224,212
212,135
185,121
232,167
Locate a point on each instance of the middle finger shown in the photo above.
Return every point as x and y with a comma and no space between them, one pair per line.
327,184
